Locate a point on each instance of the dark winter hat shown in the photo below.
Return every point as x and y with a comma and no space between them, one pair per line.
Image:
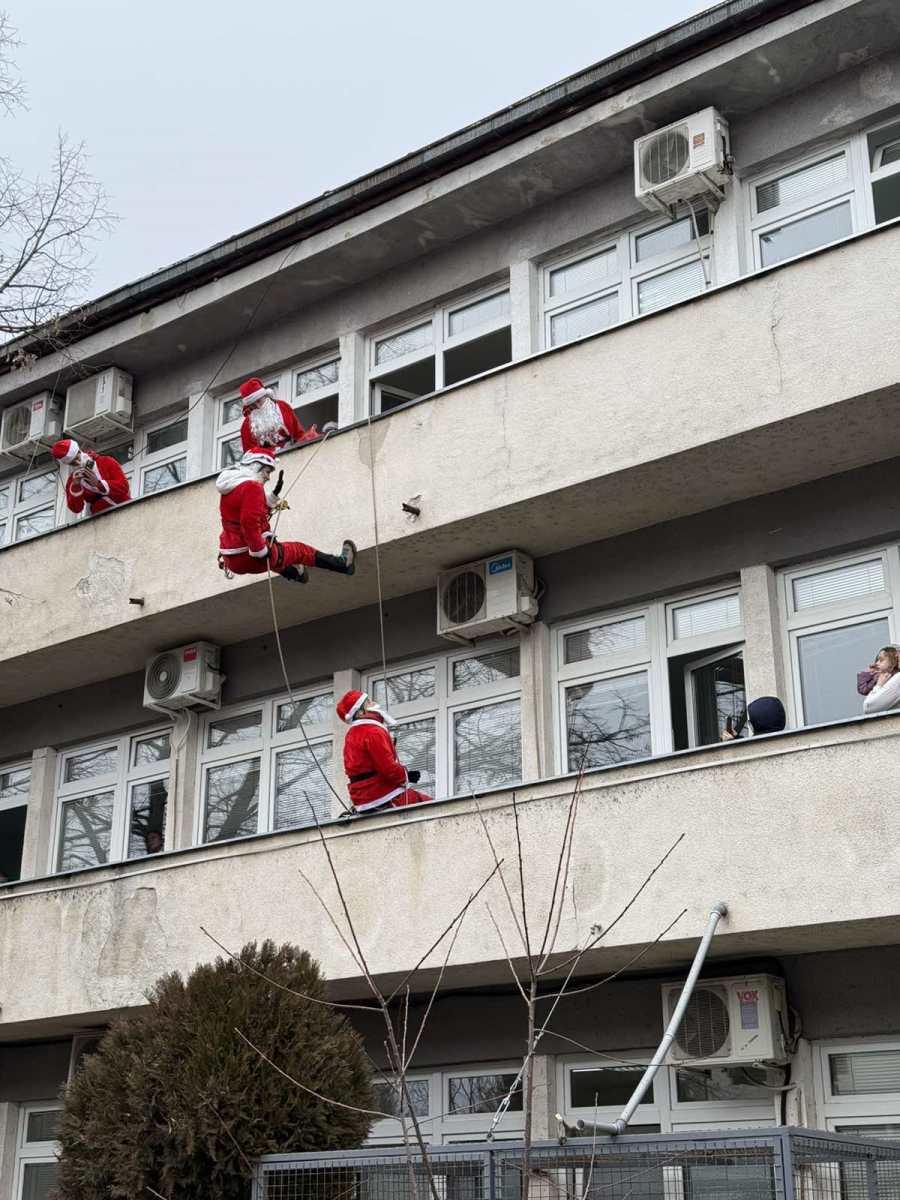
766,715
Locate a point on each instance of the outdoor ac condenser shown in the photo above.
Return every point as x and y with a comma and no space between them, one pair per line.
492,595
687,160
30,428
183,677
741,1019
99,407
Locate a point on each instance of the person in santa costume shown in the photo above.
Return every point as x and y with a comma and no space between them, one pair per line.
268,421
375,776
247,546
95,480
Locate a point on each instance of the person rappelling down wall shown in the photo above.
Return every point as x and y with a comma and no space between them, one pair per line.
269,421
376,778
94,480
247,545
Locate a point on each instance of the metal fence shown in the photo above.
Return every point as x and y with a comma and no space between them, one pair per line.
771,1164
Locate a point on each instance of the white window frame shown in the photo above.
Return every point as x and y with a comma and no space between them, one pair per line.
441,340
446,702
441,1127
8,768
650,659
144,460
824,617
33,1153
120,782
879,1109
317,394
630,273
265,747
23,508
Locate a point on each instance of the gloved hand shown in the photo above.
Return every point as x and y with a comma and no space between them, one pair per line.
413,776
276,490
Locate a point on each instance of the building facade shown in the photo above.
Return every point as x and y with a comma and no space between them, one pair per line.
687,420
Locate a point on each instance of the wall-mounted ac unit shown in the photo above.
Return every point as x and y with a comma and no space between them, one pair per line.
687,160
742,1019
100,407
31,427
183,677
493,595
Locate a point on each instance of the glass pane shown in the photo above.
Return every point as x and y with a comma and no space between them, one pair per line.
39,1181
612,638
229,730
230,452
865,1072
829,662
403,343
486,668
404,687
34,523
147,824
86,829
670,237
884,1131
805,234
487,745
474,316
608,721
730,1181
706,616
482,1093
604,1085
37,488
231,410
91,764
4,501
14,785
796,185
695,1085
671,286
169,435
311,710
584,275
886,196
388,1097
718,690
415,749
584,319
41,1126
316,377
157,479
300,788
839,583
232,800
2,532
151,749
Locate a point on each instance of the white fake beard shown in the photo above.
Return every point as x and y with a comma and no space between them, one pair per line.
389,721
265,422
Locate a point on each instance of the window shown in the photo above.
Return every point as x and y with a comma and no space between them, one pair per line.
459,717
112,800
315,393
454,343
798,209
626,276
37,1152
452,1104
28,505
859,1087
258,772
163,461
883,146
838,615
15,782
642,682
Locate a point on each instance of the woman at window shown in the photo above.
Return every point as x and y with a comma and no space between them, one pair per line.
885,692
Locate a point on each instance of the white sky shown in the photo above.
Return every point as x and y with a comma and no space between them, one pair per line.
205,117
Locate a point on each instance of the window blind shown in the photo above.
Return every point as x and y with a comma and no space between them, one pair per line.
839,583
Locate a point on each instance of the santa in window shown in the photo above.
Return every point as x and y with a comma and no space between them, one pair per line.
95,481
270,422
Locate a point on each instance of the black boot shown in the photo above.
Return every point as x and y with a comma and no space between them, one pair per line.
295,574
344,563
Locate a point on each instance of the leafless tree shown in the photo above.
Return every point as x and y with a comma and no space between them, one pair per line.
47,225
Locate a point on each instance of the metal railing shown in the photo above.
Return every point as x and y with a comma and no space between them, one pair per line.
765,1164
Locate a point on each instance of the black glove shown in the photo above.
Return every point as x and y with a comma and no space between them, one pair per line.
276,490
413,776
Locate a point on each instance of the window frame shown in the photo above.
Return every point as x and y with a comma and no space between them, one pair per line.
7,768
145,460
266,748
869,1109
17,508
317,395
32,1153
120,782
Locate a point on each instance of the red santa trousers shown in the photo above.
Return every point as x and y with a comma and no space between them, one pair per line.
404,800
288,554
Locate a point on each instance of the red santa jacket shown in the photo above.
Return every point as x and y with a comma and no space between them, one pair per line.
369,750
112,492
244,510
291,430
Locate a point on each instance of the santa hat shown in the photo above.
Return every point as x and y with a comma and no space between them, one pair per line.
258,454
66,451
350,704
254,390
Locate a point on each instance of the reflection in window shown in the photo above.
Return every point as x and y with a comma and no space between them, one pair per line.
86,831
696,1085
152,749
611,638
91,764
608,721
482,669
228,730
31,524
301,789
487,744
169,435
147,822
37,487
482,1093
388,1097
599,1086
313,710
829,661
415,749
157,479
404,687
232,800
400,344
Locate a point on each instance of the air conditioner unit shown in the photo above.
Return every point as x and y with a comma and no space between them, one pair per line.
183,677
493,595
31,427
99,407
687,160
742,1019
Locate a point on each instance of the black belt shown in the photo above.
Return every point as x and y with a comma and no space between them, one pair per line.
363,777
